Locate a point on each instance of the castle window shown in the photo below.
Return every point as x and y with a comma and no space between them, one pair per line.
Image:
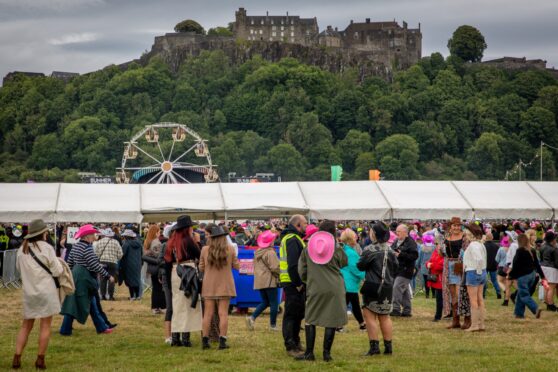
274,33
274,28
262,21
307,32
272,21
292,27
261,32
292,34
282,34
252,21
282,28
356,35
292,21
292,40
281,21
270,39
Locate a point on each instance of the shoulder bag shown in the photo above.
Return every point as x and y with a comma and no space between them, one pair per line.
56,282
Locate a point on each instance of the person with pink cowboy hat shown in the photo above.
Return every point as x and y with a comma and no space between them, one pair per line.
85,267
319,267
266,279
310,230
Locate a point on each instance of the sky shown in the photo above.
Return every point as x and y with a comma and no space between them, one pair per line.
87,35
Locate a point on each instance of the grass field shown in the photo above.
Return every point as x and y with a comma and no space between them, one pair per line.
419,345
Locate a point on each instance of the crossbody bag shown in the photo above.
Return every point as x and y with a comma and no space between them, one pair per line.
56,281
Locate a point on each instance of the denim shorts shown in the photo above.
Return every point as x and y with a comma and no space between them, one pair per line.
452,278
474,279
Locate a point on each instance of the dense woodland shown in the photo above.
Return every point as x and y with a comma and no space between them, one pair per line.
440,119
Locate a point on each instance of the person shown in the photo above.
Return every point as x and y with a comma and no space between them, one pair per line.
183,253
492,248
525,265
352,276
426,249
164,278
266,279
151,248
109,252
381,266
130,264
474,265
290,250
40,295
309,231
319,268
435,267
85,267
501,264
549,265
453,271
512,236
217,260
406,251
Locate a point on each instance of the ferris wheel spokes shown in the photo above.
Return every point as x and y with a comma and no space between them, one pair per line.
184,153
155,176
149,155
179,176
172,149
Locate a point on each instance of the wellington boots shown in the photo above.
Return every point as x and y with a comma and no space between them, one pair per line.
474,327
186,339
329,336
205,343
310,333
388,347
40,362
175,339
374,348
16,362
455,321
466,322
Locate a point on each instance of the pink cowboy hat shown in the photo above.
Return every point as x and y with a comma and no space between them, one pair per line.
320,247
505,242
392,237
413,234
428,240
86,230
310,230
266,239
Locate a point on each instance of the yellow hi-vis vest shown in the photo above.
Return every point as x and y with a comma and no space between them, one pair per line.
283,265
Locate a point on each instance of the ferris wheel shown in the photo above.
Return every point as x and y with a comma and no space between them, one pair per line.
166,153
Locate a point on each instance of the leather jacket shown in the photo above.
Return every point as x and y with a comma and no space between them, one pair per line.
189,282
372,260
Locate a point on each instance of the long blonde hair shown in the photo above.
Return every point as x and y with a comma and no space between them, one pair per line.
218,250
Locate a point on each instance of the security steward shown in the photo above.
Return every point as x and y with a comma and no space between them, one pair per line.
290,249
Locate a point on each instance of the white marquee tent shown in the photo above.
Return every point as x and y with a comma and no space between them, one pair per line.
350,200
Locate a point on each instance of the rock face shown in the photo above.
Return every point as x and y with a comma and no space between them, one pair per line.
175,48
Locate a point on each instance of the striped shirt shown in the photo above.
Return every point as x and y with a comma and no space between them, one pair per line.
108,250
82,254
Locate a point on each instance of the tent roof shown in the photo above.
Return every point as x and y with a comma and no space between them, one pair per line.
263,199
359,200
98,203
425,200
24,202
494,200
549,192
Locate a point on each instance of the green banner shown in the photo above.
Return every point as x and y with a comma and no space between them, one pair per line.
336,172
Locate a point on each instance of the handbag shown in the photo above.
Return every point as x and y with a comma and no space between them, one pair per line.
431,277
458,268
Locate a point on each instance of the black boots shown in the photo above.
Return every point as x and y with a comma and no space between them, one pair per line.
387,347
223,343
175,339
186,339
374,348
329,335
205,343
310,332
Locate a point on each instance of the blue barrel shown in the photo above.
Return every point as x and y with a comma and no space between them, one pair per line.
246,296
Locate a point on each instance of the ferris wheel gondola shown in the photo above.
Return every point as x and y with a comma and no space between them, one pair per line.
166,153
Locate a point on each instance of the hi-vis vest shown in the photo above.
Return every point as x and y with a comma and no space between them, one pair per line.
283,265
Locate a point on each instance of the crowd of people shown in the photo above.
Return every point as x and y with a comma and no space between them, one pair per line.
372,269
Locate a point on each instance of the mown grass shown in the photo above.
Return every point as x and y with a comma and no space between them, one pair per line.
419,345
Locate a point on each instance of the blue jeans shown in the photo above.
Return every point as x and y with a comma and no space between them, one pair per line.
269,298
494,280
524,298
98,321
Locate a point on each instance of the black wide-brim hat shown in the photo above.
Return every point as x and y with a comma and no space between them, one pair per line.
183,222
217,231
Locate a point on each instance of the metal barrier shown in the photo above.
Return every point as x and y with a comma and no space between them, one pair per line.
10,276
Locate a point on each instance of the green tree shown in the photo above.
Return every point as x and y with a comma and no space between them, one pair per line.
486,156
398,156
363,163
429,137
220,31
539,124
467,43
189,25
283,160
354,143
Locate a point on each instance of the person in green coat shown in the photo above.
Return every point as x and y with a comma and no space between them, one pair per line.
319,267
352,275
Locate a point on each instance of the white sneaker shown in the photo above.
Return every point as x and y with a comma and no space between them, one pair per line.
275,329
250,323
168,341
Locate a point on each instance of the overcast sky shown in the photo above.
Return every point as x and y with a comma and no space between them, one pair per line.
86,35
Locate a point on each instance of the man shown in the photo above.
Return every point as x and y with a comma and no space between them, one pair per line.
109,252
406,251
290,250
492,246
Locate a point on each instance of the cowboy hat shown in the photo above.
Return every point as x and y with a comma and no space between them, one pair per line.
129,233
86,230
310,230
428,240
107,232
217,231
36,227
321,247
183,222
266,239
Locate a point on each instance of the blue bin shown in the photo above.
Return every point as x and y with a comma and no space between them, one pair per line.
246,296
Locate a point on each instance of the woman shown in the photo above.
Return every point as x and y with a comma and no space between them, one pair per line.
453,271
183,250
130,264
525,265
501,263
380,264
435,267
216,263
319,267
425,252
164,278
352,275
40,295
151,248
266,278
85,269
549,265
474,264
